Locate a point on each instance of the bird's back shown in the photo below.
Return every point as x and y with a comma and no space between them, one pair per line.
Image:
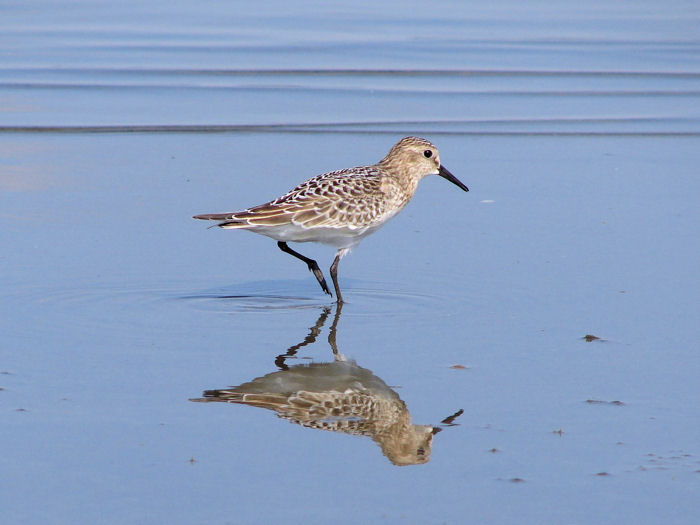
338,208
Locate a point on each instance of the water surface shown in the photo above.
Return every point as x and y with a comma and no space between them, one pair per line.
576,129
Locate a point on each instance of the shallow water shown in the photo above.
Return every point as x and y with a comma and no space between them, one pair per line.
577,130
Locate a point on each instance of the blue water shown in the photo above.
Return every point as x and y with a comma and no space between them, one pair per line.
576,128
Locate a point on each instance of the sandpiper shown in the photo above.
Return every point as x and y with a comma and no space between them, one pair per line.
340,208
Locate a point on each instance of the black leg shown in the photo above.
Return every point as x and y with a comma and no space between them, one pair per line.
334,276
313,267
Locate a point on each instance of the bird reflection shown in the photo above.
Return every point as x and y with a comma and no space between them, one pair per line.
339,396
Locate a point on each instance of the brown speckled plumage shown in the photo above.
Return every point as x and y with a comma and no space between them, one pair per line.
337,397
339,199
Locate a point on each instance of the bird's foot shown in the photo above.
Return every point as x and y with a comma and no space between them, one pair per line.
313,267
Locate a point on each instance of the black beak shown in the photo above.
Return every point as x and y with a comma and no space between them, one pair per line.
445,174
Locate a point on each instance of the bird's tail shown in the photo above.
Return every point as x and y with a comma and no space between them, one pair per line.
228,220
214,216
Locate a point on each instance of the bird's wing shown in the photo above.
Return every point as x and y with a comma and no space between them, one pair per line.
340,199
346,199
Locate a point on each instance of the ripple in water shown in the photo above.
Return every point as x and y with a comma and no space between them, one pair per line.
363,298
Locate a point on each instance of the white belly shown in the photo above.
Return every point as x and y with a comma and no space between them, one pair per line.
340,238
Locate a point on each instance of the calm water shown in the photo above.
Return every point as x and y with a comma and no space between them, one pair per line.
575,126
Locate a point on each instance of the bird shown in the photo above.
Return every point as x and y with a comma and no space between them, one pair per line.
340,208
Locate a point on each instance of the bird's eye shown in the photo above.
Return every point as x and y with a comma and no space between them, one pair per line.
427,154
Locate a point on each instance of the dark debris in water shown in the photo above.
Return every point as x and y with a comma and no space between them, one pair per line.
674,459
512,480
589,338
459,367
601,402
